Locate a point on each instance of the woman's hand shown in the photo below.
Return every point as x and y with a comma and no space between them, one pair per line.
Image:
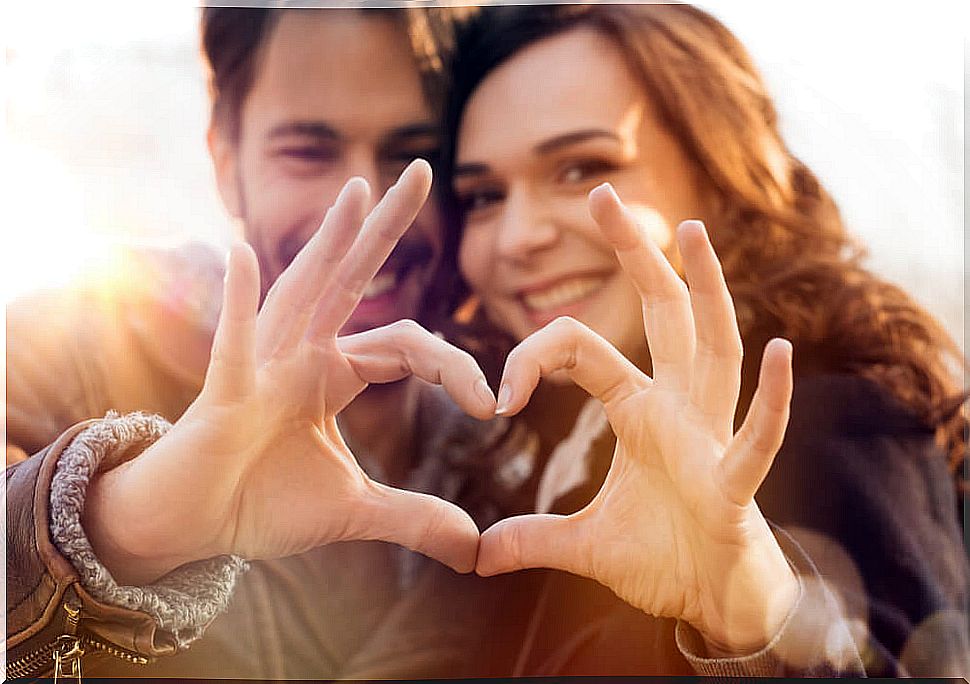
256,465
674,530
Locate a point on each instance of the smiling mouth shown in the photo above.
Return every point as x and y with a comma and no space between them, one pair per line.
406,257
563,293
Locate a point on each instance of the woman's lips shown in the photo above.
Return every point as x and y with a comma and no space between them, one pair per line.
564,297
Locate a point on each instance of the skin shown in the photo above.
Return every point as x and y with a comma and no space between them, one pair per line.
263,430
674,530
336,94
524,181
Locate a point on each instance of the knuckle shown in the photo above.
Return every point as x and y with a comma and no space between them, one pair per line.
432,528
405,330
511,540
567,325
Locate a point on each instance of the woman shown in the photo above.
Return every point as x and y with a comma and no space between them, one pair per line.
554,103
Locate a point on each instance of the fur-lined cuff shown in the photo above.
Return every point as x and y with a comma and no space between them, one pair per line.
182,602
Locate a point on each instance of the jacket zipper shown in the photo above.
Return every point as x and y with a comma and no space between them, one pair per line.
63,655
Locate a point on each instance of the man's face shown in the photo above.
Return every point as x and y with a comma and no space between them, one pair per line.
335,94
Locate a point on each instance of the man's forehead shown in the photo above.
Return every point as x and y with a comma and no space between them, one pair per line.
347,69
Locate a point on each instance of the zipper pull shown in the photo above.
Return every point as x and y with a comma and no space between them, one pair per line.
67,649
67,658
73,610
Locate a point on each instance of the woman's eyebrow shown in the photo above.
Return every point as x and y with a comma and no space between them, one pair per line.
572,138
471,169
545,147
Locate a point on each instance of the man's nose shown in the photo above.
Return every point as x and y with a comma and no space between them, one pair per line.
526,227
364,164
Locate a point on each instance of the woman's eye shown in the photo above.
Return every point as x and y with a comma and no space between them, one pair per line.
584,171
477,201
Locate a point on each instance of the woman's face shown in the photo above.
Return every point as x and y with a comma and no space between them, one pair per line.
560,117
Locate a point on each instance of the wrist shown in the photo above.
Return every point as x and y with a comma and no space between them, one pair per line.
131,553
753,635
753,605
90,499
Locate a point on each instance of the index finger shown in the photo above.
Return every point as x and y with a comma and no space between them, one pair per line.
667,317
382,229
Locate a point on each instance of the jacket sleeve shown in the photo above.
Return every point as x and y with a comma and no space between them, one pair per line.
56,586
862,487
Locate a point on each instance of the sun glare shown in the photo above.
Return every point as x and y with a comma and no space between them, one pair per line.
46,240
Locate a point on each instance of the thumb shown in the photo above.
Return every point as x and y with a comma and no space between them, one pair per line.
423,523
530,541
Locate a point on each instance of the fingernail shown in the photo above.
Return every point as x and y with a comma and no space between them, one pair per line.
504,400
697,224
484,392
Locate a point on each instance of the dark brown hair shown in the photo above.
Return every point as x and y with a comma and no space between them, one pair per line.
232,38
790,265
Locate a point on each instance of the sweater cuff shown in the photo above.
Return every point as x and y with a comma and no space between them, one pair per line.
182,602
814,640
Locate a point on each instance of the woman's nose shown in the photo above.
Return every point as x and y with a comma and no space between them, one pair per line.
526,227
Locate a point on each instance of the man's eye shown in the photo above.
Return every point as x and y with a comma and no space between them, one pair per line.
308,154
405,157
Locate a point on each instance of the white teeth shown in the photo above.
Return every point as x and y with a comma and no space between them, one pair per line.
381,284
564,293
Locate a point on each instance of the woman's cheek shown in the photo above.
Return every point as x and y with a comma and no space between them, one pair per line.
473,259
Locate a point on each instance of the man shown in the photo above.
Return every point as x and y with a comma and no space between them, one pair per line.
302,101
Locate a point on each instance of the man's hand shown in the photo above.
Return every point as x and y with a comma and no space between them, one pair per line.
256,466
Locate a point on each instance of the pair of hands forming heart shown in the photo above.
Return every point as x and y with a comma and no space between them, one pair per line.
257,467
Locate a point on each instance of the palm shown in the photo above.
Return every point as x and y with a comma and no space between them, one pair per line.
674,529
256,466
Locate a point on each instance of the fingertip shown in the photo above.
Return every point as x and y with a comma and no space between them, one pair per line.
485,572
467,562
601,198
358,186
241,262
422,164
485,397
781,347
485,565
421,169
503,405
691,229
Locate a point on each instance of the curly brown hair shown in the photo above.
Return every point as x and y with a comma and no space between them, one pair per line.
790,265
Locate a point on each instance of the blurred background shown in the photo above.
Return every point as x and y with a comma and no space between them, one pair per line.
105,116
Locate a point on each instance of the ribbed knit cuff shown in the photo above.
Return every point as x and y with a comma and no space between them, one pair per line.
813,641
182,602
